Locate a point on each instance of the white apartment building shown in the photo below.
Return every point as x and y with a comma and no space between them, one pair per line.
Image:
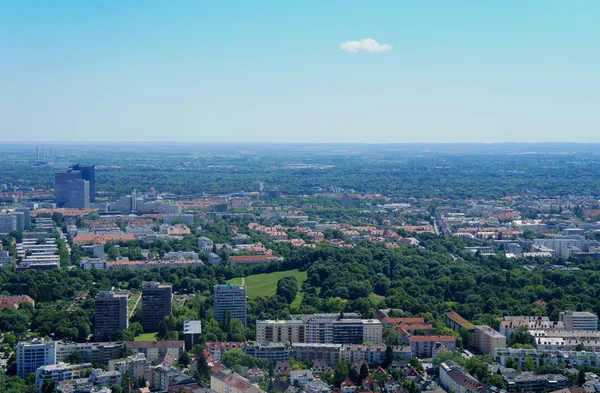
34,354
60,372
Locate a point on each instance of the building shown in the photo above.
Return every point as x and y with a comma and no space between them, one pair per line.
230,382
271,351
15,301
61,185
487,339
292,331
372,353
217,349
317,387
26,215
579,320
155,350
60,372
97,353
192,331
230,298
79,194
20,217
164,377
157,302
455,322
5,259
528,382
34,354
321,328
259,186
8,223
137,365
300,377
111,314
88,173
423,346
455,379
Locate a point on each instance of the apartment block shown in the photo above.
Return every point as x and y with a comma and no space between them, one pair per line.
192,331
487,339
422,346
157,302
60,372
230,298
230,382
34,354
579,320
155,350
111,314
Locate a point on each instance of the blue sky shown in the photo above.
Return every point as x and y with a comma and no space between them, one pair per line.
485,71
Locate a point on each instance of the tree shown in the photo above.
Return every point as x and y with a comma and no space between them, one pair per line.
529,364
389,356
74,358
184,358
49,386
341,371
581,377
364,371
521,336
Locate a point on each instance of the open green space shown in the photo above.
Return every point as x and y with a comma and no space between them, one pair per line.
146,337
261,285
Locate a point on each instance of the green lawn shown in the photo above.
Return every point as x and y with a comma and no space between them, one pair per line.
376,298
260,285
146,337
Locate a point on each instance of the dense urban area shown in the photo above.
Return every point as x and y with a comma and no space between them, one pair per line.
253,268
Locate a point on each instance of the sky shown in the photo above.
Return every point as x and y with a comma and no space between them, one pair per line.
300,71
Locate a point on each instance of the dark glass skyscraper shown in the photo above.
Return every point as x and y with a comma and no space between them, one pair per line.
88,172
77,171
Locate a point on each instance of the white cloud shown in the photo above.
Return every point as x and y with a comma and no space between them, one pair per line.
366,45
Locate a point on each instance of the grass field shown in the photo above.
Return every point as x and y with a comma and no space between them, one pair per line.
146,337
260,285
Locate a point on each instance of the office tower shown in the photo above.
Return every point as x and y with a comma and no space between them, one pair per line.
88,172
79,194
61,185
8,223
156,304
230,298
111,314
62,179
34,354
27,216
259,186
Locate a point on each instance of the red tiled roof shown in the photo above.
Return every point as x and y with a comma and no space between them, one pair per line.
432,338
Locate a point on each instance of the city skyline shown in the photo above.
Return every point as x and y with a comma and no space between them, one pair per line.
315,72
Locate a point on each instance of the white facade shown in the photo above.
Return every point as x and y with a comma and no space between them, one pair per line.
35,354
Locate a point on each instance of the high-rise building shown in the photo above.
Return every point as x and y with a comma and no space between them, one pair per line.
34,354
156,304
75,172
230,298
20,216
79,194
8,223
111,314
27,216
88,172
61,185
192,331
259,186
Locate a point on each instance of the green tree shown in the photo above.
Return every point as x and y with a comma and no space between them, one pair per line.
341,371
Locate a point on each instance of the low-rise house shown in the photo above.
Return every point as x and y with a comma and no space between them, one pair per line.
300,377
282,367
317,386
154,350
348,386
255,375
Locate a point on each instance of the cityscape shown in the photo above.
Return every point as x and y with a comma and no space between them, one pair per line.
322,286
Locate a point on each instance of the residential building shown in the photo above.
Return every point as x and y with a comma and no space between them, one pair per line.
26,215
232,299
163,377
97,353
60,372
455,322
157,302
317,386
270,351
300,377
5,259
579,320
137,365
15,301
20,217
34,354
528,382
111,314
154,350
192,331
8,223
230,382
455,379
487,339
422,346
217,349
292,331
